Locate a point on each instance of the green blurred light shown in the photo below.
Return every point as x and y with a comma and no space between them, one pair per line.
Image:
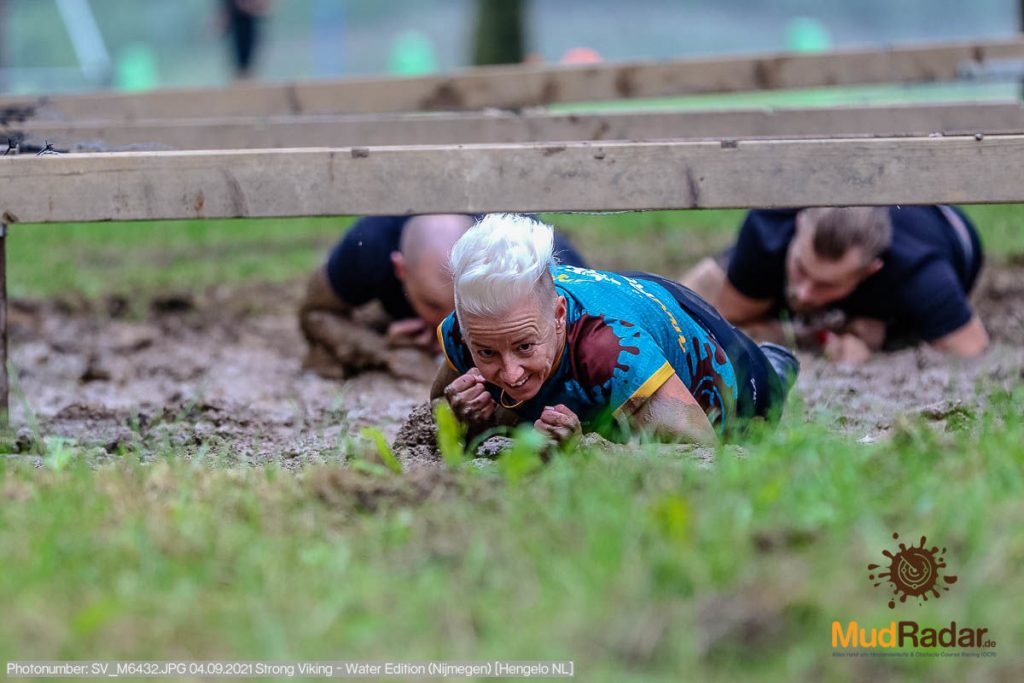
136,68
412,54
806,34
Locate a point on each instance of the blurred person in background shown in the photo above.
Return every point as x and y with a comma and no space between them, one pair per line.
400,263
241,21
850,281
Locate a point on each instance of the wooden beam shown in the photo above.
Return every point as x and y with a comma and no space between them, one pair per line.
524,177
515,87
5,393
504,127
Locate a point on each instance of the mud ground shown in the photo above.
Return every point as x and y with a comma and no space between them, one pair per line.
218,374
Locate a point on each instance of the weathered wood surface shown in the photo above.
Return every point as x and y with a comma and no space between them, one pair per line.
516,177
515,87
4,380
504,127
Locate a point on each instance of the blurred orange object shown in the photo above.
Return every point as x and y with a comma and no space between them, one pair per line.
581,55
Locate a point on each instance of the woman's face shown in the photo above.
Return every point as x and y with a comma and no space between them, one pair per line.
517,351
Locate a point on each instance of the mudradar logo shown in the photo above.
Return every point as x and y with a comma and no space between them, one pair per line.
913,572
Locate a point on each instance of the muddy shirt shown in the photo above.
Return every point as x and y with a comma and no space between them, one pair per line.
625,338
359,267
921,290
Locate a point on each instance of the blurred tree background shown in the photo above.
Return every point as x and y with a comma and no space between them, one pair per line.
178,42
499,37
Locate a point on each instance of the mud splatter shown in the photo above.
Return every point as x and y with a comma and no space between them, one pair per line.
596,350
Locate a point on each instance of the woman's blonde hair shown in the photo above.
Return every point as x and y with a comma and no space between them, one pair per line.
500,262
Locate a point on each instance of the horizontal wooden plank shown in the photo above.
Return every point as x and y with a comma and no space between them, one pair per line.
524,177
504,127
515,87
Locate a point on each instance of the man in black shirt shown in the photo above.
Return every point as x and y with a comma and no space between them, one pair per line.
849,280
400,262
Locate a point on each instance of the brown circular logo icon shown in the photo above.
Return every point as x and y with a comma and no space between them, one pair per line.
913,572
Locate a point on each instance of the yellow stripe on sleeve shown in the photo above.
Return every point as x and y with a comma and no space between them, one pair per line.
646,390
440,341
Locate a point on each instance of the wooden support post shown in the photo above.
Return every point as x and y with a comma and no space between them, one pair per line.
4,387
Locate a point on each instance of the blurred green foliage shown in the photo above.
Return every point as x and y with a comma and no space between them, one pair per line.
140,259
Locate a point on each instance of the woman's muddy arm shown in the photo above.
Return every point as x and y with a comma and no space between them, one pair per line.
673,414
445,376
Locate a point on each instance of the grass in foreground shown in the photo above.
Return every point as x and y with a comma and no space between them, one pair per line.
636,567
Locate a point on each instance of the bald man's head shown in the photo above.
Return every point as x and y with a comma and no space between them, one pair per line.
422,263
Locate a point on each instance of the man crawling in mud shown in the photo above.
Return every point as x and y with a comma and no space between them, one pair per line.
850,281
399,262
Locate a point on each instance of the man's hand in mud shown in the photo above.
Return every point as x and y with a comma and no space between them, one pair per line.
468,397
871,330
845,348
559,424
810,331
412,332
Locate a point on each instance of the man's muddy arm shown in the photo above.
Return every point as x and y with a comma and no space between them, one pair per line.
966,342
326,323
320,296
710,281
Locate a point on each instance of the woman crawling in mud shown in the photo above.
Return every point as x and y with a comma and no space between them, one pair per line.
576,350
